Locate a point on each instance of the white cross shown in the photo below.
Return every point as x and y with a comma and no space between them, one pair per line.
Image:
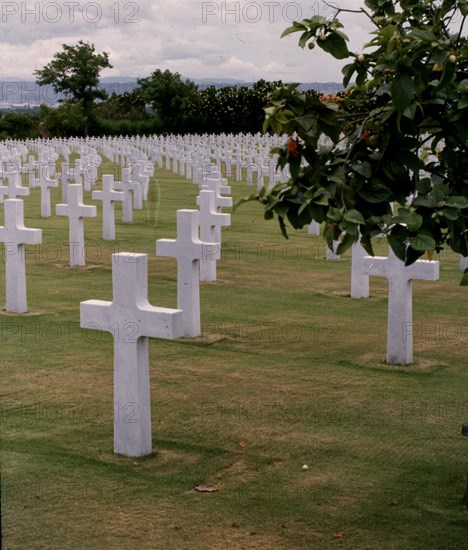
64,175
313,229
126,186
400,300
220,201
76,211
132,320
210,225
218,184
359,276
45,183
131,179
14,190
189,250
108,196
16,236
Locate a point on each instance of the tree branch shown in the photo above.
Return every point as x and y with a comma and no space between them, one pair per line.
346,10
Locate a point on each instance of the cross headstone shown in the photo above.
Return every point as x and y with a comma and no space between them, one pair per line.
14,189
359,277
314,229
131,179
126,186
132,320
45,183
189,250
76,211
108,196
15,236
216,186
400,300
210,221
65,175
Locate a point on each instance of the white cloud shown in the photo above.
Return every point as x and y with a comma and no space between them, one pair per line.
234,39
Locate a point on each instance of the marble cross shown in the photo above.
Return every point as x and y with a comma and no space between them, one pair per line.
211,222
188,250
313,229
126,187
400,300
359,276
132,320
45,183
108,196
75,210
15,236
14,189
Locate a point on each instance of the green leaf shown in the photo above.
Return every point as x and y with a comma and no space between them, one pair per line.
276,126
282,225
375,192
423,35
422,242
364,169
424,186
354,216
308,124
402,90
295,28
334,214
411,160
464,281
439,57
346,242
335,45
328,233
243,200
397,240
463,5
305,37
348,71
412,220
457,202
412,255
427,202
450,214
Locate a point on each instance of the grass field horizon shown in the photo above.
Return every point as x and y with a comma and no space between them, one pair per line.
289,370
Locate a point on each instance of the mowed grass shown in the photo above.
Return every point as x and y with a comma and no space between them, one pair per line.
289,371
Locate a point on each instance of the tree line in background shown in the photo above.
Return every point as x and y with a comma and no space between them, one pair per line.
164,102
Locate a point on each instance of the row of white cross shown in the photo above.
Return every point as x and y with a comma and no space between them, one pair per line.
136,320
196,253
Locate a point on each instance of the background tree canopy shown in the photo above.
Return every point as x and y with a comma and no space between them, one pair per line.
75,72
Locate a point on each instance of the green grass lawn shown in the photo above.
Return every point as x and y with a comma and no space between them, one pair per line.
289,371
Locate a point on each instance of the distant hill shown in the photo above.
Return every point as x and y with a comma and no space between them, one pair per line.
17,93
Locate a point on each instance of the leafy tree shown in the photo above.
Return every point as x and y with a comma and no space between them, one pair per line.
67,120
234,108
398,156
18,125
129,105
75,72
172,99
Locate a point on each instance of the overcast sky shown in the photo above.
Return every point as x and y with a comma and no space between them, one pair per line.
213,40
